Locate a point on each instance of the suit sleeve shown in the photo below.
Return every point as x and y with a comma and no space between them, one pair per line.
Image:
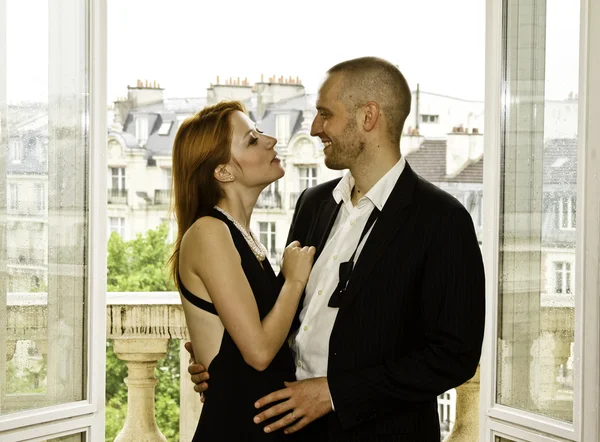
292,236
452,300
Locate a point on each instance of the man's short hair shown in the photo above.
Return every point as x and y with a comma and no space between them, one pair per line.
375,79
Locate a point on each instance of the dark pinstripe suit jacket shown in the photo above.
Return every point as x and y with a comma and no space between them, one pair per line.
410,325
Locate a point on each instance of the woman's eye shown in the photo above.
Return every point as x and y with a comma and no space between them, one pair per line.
254,140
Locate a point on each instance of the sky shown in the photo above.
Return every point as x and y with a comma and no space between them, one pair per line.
185,44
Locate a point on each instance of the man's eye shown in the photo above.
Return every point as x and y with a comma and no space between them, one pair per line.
253,140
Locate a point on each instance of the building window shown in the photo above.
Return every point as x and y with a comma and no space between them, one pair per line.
567,205
117,225
16,150
40,195
165,128
141,130
13,196
267,237
562,271
308,177
118,178
282,129
169,178
430,118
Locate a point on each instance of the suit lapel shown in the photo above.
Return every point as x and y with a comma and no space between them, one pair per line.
394,215
323,224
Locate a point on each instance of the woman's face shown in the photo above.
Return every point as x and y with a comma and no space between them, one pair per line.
254,153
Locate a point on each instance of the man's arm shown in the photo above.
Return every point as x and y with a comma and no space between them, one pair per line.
453,309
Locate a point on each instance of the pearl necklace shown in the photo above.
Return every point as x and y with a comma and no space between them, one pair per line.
255,245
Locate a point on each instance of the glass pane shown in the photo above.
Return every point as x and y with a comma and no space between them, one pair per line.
70,438
537,242
43,218
503,439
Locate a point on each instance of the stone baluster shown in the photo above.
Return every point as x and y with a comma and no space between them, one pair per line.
466,427
141,356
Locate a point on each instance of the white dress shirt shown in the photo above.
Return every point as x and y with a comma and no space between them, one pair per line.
310,343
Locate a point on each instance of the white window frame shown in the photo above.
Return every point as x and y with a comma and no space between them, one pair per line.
16,150
120,175
40,195
430,119
282,128
141,130
563,271
165,128
13,196
168,177
271,232
312,176
117,224
497,419
87,415
571,205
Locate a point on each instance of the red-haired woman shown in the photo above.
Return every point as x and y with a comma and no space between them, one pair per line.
238,313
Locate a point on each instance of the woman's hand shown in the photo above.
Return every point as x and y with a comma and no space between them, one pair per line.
297,263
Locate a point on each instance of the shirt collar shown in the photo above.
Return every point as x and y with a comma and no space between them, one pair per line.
379,193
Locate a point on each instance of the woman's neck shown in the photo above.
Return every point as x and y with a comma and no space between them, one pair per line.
240,207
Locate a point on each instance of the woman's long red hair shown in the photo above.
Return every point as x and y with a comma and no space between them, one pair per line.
202,143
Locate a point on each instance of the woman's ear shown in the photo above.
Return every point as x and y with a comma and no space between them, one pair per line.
223,175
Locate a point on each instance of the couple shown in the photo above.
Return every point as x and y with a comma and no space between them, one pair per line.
391,314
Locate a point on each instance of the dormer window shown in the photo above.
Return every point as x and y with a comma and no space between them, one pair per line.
141,130
165,128
430,118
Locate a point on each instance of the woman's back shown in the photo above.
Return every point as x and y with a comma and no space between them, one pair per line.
234,385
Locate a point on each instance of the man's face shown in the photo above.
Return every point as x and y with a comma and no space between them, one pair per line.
336,125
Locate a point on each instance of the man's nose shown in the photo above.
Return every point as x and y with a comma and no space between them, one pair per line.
316,127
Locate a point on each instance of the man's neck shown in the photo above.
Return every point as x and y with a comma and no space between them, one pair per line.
367,173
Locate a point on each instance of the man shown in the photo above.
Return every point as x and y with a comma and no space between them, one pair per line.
393,313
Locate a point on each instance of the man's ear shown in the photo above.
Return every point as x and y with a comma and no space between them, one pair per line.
371,114
223,175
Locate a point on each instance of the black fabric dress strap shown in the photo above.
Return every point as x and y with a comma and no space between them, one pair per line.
198,302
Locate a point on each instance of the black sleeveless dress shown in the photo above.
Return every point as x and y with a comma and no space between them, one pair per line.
234,386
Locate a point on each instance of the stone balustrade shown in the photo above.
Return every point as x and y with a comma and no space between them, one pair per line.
140,325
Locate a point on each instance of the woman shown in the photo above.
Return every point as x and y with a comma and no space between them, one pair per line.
238,313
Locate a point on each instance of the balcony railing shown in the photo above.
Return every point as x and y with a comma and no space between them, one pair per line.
27,208
117,196
162,196
269,200
25,256
140,325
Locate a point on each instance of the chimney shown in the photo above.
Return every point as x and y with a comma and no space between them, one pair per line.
233,89
144,93
277,89
462,149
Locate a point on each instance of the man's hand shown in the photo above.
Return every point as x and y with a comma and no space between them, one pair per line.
307,401
198,372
